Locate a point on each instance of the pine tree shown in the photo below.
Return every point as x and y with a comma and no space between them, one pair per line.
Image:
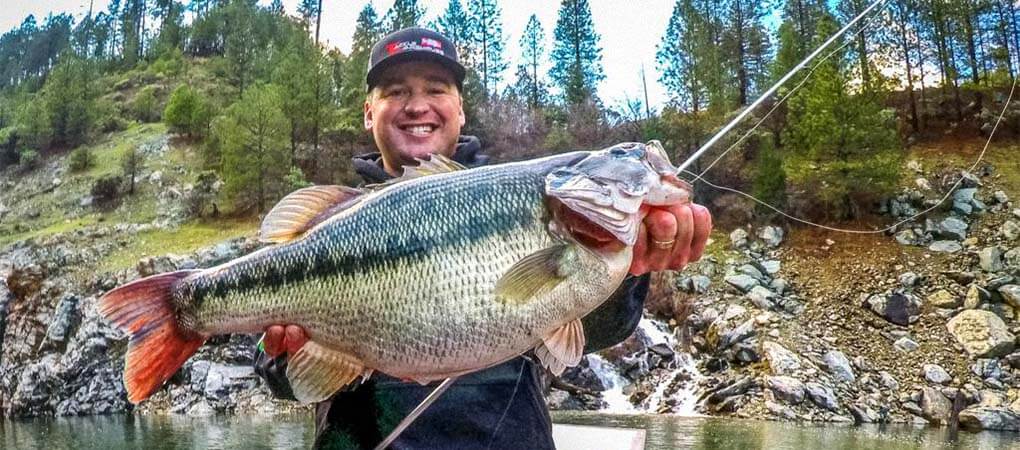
532,52
486,31
367,30
404,14
253,137
746,45
688,57
840,147
576,55
454,24
308,10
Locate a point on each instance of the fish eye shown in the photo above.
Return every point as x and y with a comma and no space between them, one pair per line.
617,151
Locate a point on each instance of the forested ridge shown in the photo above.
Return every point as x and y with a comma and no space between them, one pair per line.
268,108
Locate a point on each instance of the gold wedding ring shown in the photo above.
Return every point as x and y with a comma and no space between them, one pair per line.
664,244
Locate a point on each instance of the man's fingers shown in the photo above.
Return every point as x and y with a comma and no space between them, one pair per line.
702,229
295,338
662,230
272,341
637,265
685,232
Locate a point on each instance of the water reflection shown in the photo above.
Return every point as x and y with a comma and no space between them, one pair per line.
295,431
671,432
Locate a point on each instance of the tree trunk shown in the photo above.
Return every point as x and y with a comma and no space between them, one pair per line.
910,75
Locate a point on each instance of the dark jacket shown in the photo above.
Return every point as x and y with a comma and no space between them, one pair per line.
501,407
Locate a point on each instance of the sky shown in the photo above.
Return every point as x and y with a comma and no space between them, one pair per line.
629,30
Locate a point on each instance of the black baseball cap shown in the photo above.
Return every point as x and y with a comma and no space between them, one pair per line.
411,44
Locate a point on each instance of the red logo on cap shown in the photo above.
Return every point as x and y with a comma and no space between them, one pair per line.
392,47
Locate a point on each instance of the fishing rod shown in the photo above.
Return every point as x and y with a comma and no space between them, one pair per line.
432,397
740,117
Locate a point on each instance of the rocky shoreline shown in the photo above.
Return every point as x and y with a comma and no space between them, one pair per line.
924,333
925,328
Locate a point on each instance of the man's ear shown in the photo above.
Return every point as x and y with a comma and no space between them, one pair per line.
369,120
460,113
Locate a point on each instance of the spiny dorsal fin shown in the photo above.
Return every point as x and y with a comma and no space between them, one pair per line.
436,164
316,372
304,208
535,274
562,347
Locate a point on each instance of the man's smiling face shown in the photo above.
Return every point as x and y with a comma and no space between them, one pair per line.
414,111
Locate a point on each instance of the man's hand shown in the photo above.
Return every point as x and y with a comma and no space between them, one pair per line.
283,339
669,238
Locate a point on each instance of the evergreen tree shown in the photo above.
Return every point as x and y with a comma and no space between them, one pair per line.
301,71
746,45
454,24
840,147
367,30
688,57
308,10
253,138
532,52
486,30
576,55
241,46
404,14
69,101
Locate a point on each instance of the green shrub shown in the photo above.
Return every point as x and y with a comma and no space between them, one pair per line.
106,191
187,112
146,105
80,160
28,158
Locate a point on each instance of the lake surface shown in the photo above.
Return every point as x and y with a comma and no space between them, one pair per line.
295,431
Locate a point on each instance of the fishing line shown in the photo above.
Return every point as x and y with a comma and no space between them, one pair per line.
776,106
949,192
509,403
729,126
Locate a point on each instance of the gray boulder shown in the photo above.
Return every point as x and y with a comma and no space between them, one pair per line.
1000,197
898,308
953,228
935,407
822,395
738,238
945,246
990,418
839,366
772,236
762,297
1011,294
908,279
781,360
905,344
991,259
65,319
981,333
743,283
906,237
1010,230
787,389
944,299
934,373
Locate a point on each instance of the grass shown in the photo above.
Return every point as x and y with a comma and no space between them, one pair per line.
184,239
54,228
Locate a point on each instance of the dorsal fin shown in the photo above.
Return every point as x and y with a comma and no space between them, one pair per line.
436,164
304,208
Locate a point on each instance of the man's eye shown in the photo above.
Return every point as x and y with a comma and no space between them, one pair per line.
393,92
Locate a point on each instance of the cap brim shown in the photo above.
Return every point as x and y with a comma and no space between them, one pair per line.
455,68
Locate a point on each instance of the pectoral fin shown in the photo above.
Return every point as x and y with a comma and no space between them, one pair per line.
316,372
562,347
536,274
302,209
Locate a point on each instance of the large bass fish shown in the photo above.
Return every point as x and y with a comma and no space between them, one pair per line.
444,272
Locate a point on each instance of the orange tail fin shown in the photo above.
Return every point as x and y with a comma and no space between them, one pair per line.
144,310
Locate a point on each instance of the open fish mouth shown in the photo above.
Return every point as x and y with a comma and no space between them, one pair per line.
609,186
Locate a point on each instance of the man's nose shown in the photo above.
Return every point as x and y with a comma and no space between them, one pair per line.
416,104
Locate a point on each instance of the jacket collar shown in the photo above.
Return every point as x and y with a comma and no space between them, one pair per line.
370,165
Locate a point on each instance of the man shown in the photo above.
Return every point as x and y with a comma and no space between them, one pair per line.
414,109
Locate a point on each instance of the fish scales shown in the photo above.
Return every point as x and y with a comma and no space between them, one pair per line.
435,250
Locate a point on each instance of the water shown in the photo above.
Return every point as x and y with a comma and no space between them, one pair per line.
683,371
705,433
295,431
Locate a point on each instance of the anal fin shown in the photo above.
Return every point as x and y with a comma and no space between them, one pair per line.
316,372
562,348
